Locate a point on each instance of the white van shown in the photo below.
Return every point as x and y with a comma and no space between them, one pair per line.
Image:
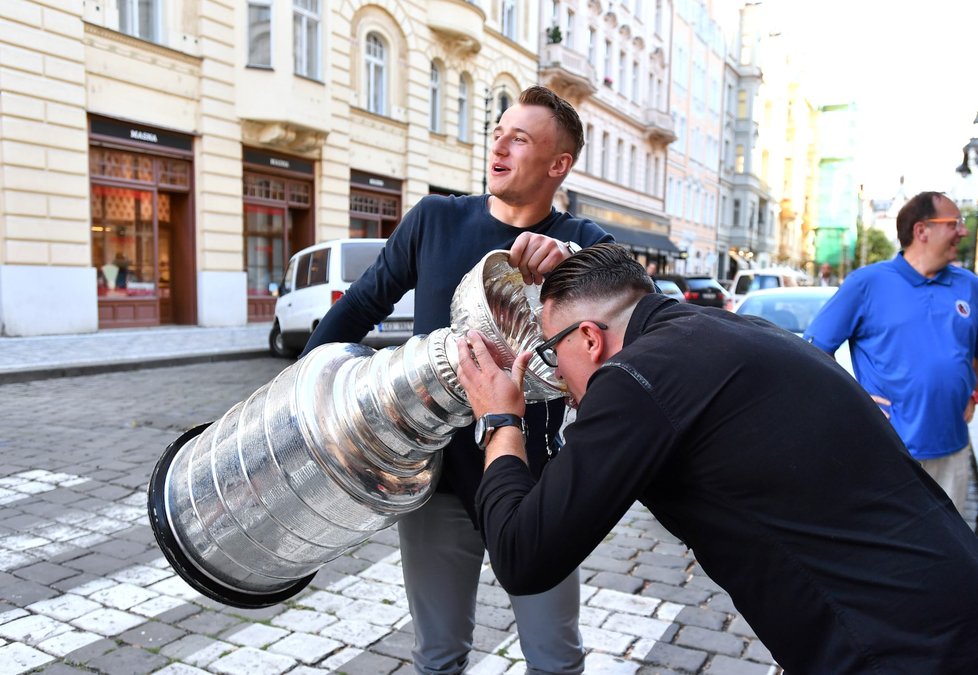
749,280
317,277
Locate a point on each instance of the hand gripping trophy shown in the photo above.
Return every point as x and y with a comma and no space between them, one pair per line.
338,446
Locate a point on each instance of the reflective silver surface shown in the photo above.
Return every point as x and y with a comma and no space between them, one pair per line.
337,446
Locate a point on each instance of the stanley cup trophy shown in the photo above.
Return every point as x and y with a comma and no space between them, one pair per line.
336,447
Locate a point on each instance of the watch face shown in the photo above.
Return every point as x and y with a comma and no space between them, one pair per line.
480,432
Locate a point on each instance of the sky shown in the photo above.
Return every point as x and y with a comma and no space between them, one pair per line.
911,67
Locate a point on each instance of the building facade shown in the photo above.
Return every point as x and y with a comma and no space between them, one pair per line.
611,61
162,159
693,183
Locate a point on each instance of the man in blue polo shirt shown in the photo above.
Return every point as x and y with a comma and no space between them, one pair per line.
912,326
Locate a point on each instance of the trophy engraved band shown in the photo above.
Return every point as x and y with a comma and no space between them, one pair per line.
336,447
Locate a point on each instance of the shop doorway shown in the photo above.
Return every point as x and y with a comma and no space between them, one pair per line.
142,239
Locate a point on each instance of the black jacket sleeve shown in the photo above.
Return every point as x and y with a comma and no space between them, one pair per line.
536,534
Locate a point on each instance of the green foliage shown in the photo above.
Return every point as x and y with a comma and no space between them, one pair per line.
966,247
554,35
878,247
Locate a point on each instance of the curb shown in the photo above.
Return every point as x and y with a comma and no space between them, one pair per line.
52,372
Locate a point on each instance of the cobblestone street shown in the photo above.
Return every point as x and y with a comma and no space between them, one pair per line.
84,587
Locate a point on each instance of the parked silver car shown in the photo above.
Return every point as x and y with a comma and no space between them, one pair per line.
793,308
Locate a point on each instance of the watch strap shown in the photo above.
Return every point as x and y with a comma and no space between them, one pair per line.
492,421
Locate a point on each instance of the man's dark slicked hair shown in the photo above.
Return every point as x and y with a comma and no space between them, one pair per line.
920,207
597,272
568,121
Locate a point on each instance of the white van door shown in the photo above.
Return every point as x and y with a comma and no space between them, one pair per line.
312,294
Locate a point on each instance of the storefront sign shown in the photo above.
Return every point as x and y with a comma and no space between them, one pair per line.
374,181
270,160
133,132
605,212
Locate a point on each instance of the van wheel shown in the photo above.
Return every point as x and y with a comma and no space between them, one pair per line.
276,342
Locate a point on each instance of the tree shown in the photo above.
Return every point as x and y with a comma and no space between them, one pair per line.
878,247
967,245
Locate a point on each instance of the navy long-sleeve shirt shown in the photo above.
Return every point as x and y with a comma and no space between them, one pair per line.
434,246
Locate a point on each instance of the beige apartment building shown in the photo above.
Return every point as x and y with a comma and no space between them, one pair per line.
160,160
611,61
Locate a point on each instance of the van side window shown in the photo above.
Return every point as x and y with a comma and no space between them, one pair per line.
302,272
743,285
318,266
287,279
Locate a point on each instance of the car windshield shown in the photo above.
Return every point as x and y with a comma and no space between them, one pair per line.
791,313
703,284
357,257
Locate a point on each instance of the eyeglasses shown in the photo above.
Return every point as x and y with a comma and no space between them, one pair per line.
953,223
547,351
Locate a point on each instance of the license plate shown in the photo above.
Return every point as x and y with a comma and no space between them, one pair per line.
395,326
709,296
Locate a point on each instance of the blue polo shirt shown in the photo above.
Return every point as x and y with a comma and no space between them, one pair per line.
913,341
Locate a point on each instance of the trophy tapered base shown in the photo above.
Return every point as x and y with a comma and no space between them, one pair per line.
183,566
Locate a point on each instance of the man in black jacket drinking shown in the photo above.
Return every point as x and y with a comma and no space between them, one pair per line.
755,449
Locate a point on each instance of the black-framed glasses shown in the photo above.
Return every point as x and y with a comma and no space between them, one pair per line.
547,350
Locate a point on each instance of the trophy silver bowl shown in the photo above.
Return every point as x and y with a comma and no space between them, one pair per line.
336,447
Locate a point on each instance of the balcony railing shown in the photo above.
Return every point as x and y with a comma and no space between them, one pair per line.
567,71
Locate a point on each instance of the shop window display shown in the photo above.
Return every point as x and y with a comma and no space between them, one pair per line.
122,239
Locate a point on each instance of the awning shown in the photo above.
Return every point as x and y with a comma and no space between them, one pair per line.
631,237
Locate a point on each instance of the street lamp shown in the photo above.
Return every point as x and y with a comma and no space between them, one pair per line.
490,92
970,152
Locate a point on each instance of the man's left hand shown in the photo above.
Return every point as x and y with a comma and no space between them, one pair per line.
489,388
536,255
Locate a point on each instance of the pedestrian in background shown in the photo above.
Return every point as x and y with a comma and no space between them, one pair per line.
912,326
835,546
533,149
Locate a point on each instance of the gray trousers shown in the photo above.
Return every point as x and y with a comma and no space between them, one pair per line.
441,558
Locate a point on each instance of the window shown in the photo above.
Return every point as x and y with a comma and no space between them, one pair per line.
375,59
259,34
305,38
633,168
635,74
592,40
508,21
622,64
648,174
619,163
589,149
736,213
434,92
742,104
739,165
607,59
140,18
463,109
605,149
569,33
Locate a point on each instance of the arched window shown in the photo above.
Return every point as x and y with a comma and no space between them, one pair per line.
503,103
375,59
434,93
463,109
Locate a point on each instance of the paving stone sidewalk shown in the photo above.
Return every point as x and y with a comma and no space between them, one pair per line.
31,358
84,588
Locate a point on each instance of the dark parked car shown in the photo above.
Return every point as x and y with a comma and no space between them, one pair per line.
699,290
